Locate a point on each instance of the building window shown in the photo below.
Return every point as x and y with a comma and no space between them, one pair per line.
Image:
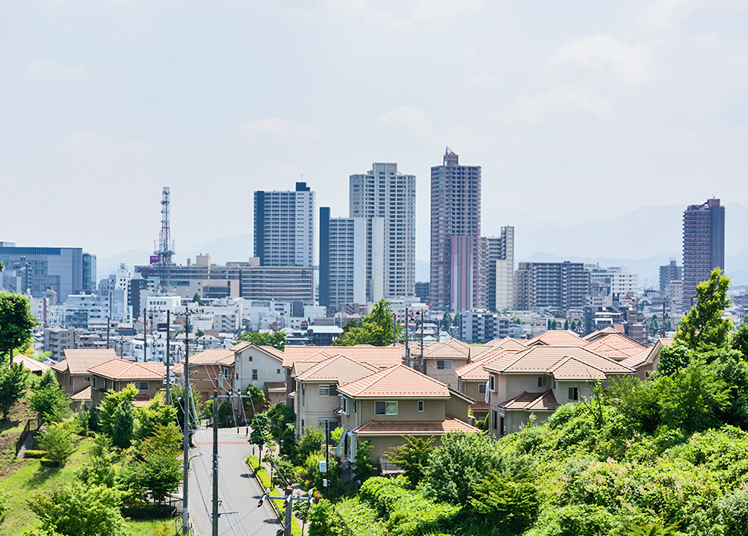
420,406
354,406
492,382
303,396
494,419
277,371
345,406
386,408
141,386
482,388
573,393
254,373
542,381
226,373
324,390
502,430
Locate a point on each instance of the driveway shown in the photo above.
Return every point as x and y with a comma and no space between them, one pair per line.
237,490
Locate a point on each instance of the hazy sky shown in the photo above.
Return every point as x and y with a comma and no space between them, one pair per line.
574,109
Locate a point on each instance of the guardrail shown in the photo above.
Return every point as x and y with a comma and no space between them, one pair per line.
26,432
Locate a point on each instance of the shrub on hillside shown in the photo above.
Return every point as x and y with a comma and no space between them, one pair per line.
34,454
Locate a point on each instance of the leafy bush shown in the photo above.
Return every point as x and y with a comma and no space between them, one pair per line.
323,521
309,443
412,457
57,442
502,502
735,513
34,454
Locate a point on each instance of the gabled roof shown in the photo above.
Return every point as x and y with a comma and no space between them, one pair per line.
31,364
273,350
244,345
549,360
600,333
77,361
339,368
616,346
507,343
398,428
648,355
453,348
556,337
379,356
222,356
84,395
474,370
121,370
525,401
396,382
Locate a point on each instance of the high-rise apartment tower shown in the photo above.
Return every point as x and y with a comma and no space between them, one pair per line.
500,260
342,260
703,243
386,199
457,251
285,227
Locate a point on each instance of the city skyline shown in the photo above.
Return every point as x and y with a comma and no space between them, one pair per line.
585,115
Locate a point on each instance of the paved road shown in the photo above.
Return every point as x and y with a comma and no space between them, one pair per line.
238,491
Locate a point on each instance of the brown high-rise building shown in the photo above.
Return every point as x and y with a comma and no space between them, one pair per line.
703,244
457,250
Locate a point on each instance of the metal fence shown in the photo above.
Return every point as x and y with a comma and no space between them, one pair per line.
27,430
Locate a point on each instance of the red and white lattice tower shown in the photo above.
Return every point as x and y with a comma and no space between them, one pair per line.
165,248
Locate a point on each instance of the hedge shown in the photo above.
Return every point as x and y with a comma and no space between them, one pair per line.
34,453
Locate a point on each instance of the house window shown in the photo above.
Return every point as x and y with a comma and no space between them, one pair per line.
386,408
324,390
87,379
249,358
345,406
542,381
554,384
573,393
482,388
442,365
492,382
502,430
303,396
226,373
420,406
277,371
141,386
254,373
95,382
494,419
354,406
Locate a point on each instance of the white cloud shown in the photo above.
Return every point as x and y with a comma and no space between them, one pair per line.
282,129
541,105
56,67
604,51
408,118
95,143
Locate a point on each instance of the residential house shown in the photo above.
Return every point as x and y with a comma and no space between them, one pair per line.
35,367
616,346
557,337
472,380
440,359
72,372
646,361
117,374
538,380
316,394
212,370
397,401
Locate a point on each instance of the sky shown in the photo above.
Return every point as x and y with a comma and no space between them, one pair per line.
575,110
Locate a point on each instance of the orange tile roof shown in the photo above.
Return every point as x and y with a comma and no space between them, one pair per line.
616,346
507,343
209,357
525,401
31,364
547,359
396,382
600,333
121,370
474,371
389,428
77,361
647,355
380,356
83,394
241,345
339,368
556,337
273,350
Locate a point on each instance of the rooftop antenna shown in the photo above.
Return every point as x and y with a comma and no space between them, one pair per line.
165,246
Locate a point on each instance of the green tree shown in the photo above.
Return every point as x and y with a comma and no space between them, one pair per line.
412,457
376,329
256,401
155,414
81,510
16,322
57,441
12,386
323,521
309,443
117,415
48,400
363,466
260,433
282,428
155,470
458,464
197,299
703,326
100,466
692,397
446,321
674,357
177,400
276,339
739,339
510,505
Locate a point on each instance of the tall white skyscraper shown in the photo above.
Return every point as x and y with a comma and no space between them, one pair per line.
500,253
285,227
342,264
387,200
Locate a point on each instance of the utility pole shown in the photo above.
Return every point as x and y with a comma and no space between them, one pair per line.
145,336
168,357
407,347
421,340
394,328
327,457
186,434
108,323
215,463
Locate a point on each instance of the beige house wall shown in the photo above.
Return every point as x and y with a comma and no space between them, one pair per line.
447,376
72,383
457,408
311,408
407,410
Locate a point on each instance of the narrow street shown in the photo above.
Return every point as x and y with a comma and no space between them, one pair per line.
238,491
